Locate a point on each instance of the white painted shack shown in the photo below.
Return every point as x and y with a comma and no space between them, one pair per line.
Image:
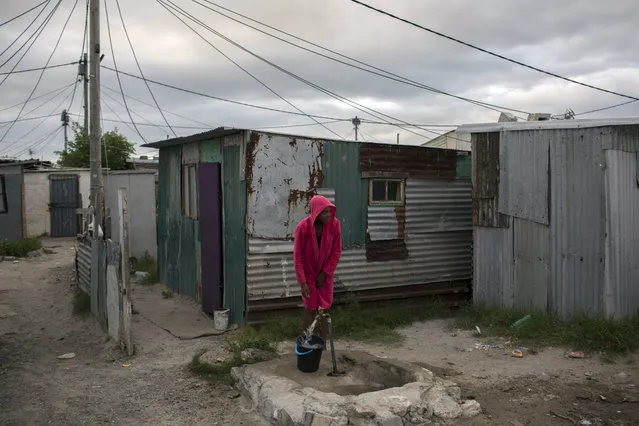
556,216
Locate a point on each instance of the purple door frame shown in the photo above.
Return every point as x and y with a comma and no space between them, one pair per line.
211,235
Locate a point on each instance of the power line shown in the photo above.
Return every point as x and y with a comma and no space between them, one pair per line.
29,118
23,13
117,3
217,98
248,72
497,55
374,70
37,143
265,108
605,108
23,137
38,32
39,69
115,64
22,33
64,27
207,126
342,99
286,126
39,96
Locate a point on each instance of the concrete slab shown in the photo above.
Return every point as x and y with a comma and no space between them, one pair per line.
374,391
177,315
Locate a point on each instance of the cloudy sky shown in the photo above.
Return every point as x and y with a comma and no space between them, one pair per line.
587,40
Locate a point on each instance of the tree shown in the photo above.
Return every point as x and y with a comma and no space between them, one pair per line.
116,149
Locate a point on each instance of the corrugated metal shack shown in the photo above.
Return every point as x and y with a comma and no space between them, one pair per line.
556,216
229,201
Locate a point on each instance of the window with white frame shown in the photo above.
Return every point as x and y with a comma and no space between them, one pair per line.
385,192
189,191
3,196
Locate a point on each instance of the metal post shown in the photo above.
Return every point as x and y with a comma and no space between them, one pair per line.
398,139
85,81
65,124
125,289
356,122
95,133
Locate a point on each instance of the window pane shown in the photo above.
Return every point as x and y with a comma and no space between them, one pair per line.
379,190
394,191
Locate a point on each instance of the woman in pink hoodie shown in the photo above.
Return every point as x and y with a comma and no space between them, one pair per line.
316,253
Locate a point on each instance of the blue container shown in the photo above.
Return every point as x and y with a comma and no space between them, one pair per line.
309,353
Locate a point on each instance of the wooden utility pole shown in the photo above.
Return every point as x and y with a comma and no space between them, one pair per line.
95,133
85,84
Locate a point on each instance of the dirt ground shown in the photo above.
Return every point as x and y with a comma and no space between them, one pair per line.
101,386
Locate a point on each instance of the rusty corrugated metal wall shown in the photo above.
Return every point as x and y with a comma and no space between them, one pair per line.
426,242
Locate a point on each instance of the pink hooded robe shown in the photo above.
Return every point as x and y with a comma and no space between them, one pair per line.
311,259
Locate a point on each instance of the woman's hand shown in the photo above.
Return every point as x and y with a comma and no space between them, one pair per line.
306,292
321,280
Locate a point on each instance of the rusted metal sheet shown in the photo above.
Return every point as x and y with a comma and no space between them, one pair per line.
485,158
621,298
415,162
282,175
436,206
523,175
441,257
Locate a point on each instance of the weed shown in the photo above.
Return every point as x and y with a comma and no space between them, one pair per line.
245,338
146,264
579,333
81,303
167,294
356,323
19,248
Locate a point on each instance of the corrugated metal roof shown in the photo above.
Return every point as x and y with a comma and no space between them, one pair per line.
545,125
621,295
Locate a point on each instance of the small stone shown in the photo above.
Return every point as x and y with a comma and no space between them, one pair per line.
69,355
470,408
544,377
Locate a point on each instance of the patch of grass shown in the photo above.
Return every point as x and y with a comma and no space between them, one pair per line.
578,333
81,303
167,294
242,339
356,323
146,264
19,248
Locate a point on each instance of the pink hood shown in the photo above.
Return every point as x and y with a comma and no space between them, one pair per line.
318,204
